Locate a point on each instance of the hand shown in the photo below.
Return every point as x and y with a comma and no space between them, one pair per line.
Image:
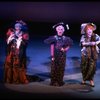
86,43
52,58
93,43
20,38
83,43
11,37
65,49
62,49
97,42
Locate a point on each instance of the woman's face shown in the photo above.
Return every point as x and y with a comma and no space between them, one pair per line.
89,32
60,30
18,26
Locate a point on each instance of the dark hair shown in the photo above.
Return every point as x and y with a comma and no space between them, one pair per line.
58,24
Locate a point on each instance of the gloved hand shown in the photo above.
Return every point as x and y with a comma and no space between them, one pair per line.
11,37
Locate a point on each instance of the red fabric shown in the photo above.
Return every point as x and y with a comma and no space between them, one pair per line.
9,32
25,36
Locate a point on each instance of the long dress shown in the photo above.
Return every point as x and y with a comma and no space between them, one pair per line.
15,62
58,65
89,56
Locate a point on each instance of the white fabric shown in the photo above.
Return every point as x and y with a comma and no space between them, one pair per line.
18,43
11,37
83,50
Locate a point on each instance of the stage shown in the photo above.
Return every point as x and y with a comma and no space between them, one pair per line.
38,73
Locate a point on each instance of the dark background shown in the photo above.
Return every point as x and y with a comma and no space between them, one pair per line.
41,16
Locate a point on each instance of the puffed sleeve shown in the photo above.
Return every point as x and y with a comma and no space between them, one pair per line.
98,40
82,39
97,37
50,40
68,41
25,36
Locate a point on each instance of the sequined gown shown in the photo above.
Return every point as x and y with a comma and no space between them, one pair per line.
58,65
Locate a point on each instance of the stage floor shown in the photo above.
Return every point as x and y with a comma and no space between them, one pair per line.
38,69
